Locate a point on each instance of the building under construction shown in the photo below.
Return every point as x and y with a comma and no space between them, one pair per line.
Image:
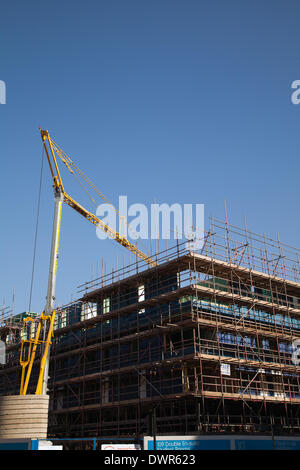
204,342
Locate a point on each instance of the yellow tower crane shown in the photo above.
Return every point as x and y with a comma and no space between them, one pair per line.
46,320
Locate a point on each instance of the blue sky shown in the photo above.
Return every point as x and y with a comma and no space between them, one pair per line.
167,101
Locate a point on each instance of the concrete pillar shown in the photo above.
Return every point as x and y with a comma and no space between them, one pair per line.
24,416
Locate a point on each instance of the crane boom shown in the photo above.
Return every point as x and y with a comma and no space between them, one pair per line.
58,184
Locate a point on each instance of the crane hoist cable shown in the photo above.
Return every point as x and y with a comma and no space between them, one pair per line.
36,231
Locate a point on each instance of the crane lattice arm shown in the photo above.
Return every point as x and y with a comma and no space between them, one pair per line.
58,186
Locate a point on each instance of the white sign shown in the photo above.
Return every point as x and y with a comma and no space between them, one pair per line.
120,447
296,352
51,448
2,352
225,369
48,445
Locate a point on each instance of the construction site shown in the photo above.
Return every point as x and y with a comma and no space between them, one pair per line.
196,343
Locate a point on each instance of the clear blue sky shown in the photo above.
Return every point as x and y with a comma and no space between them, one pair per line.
169,100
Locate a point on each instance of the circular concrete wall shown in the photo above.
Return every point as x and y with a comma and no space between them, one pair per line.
24,416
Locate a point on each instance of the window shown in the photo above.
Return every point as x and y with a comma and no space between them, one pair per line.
265,344
106,305
141,296
63,317
141,293
88,310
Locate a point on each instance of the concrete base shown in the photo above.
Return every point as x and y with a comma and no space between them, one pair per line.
24,416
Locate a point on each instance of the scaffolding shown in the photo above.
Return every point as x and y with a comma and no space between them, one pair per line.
203,342
10,325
